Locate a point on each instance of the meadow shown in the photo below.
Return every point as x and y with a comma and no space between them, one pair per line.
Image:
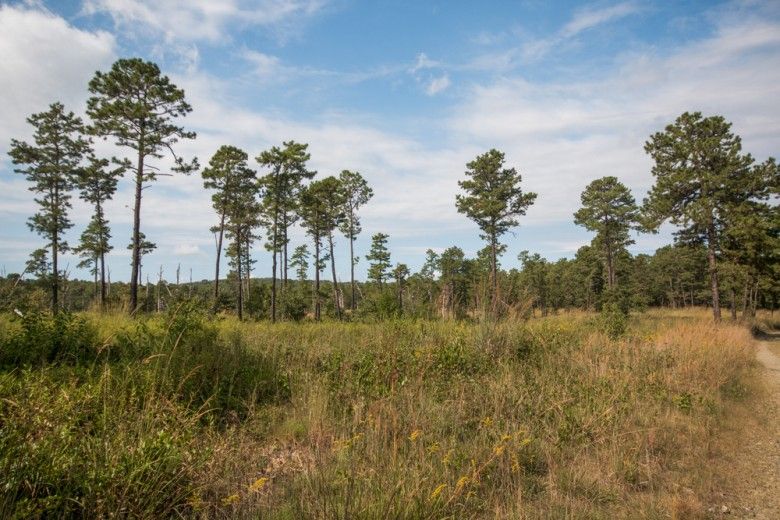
185,415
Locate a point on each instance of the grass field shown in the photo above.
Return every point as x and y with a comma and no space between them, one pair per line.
181,415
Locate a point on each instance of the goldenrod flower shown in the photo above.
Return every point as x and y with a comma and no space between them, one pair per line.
195,502
437,491
462,481
258,484
232,499
498,450
447,457
415,434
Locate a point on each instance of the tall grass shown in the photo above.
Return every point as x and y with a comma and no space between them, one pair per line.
553,419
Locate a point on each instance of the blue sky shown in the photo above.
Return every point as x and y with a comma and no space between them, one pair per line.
404,92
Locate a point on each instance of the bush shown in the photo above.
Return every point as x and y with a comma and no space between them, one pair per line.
42,338
613,321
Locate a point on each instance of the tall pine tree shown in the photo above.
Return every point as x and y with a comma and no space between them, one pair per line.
137,106
52,164
494,200
700,172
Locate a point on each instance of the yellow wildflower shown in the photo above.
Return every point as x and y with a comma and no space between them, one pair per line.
462,481
498,450
415,434
515,464
437,491
506,438
258,484
232,499
447,457
433,448
195,502
486,422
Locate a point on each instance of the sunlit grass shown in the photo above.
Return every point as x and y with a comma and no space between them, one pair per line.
545,419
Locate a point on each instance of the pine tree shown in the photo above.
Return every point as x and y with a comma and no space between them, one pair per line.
494,200
136,105
379,258
52,164
314,221
400,273
242,213
700,172
356,194
300,262
609,209
97,185
282,187
227,174
322,209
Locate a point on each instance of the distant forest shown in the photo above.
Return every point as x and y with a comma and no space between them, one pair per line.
723,202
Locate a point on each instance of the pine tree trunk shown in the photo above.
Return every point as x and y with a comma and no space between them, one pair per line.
219,257
713,268
733,304
352,304
102,260
247,270
239,280
55,279
754,300
317,278
493,277
284,260
333,272
136,261
275,246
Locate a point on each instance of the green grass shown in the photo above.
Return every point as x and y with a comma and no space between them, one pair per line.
179,415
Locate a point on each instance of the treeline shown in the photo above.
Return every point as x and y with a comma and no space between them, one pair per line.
723,202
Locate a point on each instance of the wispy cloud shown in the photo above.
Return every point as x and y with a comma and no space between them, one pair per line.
590,17
423,62
196,20
582,20
437,85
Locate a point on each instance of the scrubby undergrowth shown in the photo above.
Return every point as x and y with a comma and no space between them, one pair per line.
184,416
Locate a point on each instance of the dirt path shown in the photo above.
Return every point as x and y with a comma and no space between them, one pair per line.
760,498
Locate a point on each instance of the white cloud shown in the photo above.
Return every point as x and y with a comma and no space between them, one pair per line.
263,65
205,19
423,62
561,135
437,85
186,249
589,18
582,20
44,59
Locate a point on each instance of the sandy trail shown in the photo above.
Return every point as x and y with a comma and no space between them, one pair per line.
763,453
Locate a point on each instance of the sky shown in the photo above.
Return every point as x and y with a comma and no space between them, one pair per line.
406,93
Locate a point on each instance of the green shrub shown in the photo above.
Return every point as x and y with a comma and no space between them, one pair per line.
613,321
42,338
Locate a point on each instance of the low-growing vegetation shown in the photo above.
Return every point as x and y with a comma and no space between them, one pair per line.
186,415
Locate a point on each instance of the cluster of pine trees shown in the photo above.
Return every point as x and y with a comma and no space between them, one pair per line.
722,201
